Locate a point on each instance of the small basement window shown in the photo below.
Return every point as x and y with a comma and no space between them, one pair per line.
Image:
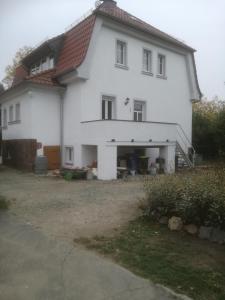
69,154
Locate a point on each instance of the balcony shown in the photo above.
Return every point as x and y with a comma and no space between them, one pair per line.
124,132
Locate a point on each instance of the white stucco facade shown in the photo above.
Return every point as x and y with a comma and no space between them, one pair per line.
167,101
73,118
39,116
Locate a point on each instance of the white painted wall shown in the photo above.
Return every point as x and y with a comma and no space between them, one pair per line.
46,117
89,155
167,100
72,117
22,130
40,117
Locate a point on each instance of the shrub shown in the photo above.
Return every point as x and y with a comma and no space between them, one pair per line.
209,129
197,198
4,204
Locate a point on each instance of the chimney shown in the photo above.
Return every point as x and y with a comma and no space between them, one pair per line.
109,2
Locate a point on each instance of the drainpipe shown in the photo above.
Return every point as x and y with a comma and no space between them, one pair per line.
61,127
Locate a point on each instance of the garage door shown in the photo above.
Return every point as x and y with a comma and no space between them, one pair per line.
53,155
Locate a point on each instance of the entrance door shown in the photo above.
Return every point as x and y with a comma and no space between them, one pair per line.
53,155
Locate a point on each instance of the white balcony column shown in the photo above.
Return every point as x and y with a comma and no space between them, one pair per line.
107,162
168,153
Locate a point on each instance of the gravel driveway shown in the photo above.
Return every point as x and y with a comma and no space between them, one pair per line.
71,209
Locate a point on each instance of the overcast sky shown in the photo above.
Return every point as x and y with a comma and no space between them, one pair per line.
200,23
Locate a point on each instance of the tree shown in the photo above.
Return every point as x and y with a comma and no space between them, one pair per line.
209,128
1,88
10,69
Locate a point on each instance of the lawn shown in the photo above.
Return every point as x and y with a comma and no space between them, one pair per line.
179,261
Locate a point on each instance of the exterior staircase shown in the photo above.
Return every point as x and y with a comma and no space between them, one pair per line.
183,159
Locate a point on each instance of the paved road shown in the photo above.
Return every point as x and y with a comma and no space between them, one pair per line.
34,267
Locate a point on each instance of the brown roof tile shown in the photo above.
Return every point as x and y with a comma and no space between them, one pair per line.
77,40
20,74
45,78
75,45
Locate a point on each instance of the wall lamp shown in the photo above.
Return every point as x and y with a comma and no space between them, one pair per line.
167,141
127,101
113,140
150,140
132,141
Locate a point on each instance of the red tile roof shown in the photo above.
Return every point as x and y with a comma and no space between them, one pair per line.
75,46
20,74
76,42
45,78
78,38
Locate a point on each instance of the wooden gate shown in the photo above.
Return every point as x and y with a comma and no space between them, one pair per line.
53,155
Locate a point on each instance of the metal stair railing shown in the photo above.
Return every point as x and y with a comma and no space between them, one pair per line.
190,153
185,156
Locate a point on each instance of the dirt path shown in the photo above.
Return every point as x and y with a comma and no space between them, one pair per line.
71,209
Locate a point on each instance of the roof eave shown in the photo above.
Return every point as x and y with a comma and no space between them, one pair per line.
29,84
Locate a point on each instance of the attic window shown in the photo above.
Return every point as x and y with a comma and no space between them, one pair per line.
45,63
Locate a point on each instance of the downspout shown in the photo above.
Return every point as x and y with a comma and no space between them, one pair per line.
61,127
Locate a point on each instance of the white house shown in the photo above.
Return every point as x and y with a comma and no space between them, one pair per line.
108,86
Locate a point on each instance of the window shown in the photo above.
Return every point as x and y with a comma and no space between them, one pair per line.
51,62
18,112
4,118
45,63
161,65
11,113
139,111
147,61
121,53
108,109
69,155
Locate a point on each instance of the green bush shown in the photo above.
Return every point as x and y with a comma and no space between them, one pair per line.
74,174
197,198
209,129
4,204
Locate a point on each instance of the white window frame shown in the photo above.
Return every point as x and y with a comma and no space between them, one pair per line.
107,99
138,112
163,63
123,62
69,157
18,112
147,65
11,113
44,64
4,118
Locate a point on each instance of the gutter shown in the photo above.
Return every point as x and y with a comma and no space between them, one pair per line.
196,77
